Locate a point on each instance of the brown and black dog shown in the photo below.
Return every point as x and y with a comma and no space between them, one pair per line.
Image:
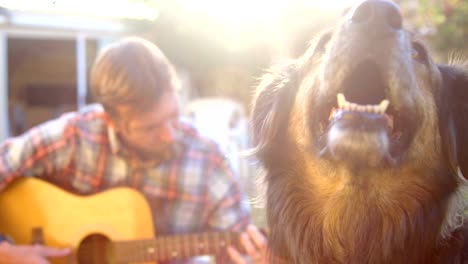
364,141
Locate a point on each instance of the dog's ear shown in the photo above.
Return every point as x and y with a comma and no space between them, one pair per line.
453,116
271,107
275,96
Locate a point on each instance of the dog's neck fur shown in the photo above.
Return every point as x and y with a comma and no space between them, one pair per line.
405,223
457,206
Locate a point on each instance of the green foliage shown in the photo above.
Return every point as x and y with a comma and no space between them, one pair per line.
447,21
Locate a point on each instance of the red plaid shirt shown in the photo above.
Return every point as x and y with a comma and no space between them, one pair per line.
80,152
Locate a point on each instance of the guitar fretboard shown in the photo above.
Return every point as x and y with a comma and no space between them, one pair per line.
174,247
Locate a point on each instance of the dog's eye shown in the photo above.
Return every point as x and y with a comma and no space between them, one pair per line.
419,53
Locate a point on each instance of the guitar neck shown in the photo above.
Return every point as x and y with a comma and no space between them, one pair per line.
175,247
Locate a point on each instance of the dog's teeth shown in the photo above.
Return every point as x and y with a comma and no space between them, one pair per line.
332,112
346,106
376,109
383,106
341,100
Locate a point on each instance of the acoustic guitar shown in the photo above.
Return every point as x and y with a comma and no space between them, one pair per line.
114,226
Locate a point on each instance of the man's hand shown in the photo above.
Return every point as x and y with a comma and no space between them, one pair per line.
255,244
37,254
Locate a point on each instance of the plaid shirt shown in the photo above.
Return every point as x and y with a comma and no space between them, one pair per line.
80,152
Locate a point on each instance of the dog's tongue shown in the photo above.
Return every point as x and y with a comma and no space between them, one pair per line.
364,121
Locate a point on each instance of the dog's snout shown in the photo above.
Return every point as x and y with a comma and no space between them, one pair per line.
377,16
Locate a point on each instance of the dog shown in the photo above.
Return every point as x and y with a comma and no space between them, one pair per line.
364,145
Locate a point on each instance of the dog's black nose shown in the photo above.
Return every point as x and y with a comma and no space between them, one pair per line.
377,16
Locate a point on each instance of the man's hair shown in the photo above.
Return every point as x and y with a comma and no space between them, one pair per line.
132,72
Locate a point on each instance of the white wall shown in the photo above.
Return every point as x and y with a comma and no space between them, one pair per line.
3,87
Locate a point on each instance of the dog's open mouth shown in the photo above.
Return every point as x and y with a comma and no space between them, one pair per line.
362,117
362,108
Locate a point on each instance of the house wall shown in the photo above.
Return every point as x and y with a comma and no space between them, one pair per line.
3,88
45,64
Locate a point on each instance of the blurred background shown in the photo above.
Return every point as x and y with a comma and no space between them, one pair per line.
219,47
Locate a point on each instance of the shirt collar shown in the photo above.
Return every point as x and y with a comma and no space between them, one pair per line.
113,139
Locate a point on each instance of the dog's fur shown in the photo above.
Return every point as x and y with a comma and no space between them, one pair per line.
353,190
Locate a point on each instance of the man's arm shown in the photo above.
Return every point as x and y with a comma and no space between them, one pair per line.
39,151
233,213
37,254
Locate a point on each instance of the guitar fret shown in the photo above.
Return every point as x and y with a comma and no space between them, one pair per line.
168,245
143,249
158,249
156,245
195,242
166,248
142,253
130,248
136,249
137,252
187,246
174,251
181,246
207,243
201,246
150,250
210,244
116,251
218,246
229,238
176,248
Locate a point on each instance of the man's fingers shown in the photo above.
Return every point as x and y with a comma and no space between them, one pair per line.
248,245
52,252
255,245
257,237
236,257
41,261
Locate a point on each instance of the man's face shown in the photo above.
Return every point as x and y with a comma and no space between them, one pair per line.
152,133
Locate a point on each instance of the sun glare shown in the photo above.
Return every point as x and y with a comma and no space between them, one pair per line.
237,23
244,22
256,11
328,4
237,12
94,8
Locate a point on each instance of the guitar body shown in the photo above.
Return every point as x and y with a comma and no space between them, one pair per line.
85,223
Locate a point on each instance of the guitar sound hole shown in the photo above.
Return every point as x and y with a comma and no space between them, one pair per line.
94,249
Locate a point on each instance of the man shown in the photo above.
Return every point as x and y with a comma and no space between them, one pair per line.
133,138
